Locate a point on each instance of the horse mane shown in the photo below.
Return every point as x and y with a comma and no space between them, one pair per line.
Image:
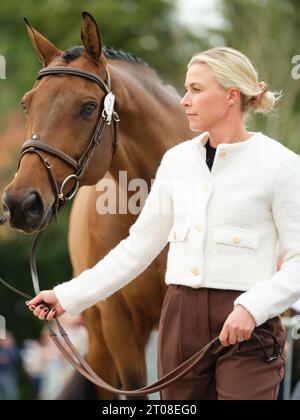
75,52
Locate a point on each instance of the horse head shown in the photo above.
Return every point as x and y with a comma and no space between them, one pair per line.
68,111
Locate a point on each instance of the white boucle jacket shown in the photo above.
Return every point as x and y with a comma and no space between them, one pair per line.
226,228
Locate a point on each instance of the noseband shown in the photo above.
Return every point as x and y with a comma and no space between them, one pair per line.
36,146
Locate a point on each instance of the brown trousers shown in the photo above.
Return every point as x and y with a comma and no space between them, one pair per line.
190,318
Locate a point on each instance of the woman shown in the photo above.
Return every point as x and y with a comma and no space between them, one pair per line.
225,201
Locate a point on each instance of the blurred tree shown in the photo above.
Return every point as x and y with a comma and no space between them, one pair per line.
148,29
268,32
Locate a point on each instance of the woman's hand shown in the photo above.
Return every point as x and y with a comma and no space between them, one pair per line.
38,308
238,327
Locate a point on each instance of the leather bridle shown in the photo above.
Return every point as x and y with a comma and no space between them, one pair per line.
64,344
37,147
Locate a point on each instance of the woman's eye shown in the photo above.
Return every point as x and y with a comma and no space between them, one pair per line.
88,109
192,90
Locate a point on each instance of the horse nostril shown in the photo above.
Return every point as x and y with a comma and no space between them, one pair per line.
5,209
32,207
7,205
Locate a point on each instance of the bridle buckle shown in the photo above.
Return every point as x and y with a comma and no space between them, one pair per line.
73,192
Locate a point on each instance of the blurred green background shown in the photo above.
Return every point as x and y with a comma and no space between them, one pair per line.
268,31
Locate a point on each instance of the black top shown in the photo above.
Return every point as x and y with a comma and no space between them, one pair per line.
210,154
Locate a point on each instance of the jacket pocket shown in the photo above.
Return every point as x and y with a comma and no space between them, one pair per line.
178,241
236,237
234,255
178,233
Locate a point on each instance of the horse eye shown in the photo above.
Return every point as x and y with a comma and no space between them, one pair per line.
24,107
88,109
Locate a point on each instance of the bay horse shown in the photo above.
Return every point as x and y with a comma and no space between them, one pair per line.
63,111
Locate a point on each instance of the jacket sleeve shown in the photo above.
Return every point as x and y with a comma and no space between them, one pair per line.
147,237
270,298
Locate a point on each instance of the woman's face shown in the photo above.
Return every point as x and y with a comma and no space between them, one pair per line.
206,102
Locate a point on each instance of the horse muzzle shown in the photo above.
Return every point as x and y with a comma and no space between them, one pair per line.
25,211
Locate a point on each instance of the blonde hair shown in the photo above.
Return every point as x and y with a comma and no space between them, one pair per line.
232,68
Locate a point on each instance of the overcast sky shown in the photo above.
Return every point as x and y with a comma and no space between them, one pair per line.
199,13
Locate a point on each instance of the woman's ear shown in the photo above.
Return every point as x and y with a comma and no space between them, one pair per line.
43,47
233,96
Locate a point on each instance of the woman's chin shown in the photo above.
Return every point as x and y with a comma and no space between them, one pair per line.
197,128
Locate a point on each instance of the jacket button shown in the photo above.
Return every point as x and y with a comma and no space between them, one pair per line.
223,153
236,239
199,228
195,271
174,236
206,188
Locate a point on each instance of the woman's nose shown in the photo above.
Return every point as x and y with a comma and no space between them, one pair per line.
184,101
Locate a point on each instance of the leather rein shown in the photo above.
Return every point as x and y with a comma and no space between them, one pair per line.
71,354
63,343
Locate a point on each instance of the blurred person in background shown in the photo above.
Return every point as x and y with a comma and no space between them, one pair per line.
9,357
48,370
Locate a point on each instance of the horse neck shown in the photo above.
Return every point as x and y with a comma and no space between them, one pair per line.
152,120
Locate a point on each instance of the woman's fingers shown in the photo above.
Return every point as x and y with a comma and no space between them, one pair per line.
36,301
37,310
247,335
42,304
51,314
224,337
41,312
232,337
44,313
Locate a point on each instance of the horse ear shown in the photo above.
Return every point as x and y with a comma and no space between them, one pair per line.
44,48
90,37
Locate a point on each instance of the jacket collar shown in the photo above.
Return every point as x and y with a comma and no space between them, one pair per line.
202,139
198,144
